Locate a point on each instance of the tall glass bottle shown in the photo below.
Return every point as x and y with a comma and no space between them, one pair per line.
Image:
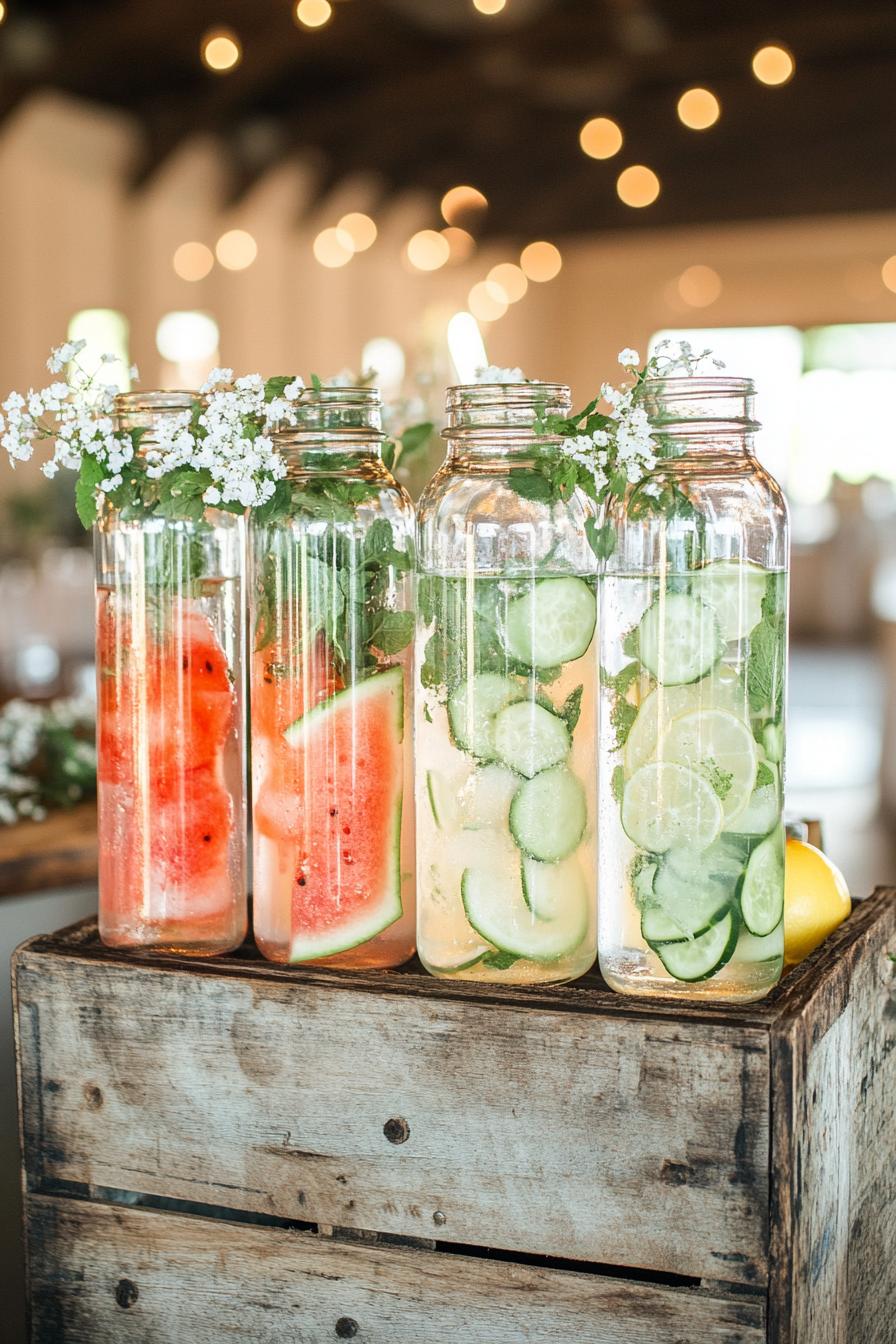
332,629
693,659
505,709
170,753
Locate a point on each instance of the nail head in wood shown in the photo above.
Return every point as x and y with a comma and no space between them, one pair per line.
126,1293
346,1328
397,1130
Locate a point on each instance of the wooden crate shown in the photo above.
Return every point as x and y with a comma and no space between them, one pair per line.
232,1150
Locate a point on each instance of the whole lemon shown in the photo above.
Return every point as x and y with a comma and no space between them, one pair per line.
816,899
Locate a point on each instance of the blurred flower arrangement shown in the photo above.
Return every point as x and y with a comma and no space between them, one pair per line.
47,757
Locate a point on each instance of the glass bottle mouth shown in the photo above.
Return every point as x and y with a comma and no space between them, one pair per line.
701,401
143,410
347,411
502,406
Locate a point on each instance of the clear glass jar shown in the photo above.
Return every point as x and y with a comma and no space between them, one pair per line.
332,633
170,739
505,705
693,649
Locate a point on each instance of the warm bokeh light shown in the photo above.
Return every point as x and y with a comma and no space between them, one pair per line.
541,261
486,301
360,228
461,202
462,245
466,346
181,337
773,65
489,6
2,11
637,186
888,273
510,279
221,50
314,13
698,109
236,249
428,250
699,286
600,138
192,261
333,247
386,357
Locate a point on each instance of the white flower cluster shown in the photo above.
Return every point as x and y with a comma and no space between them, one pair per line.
492,374
626,444
233,441
75,415
678,357
22,728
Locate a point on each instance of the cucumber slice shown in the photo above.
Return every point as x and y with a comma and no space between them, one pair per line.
442,793
699,958
548,815
556,891
552,623
679,639
722,862
762,888
735,590
667,807
693,906
641,876
769,948
723,690
773,742
472,707
761,814
497,910
529,738
486,797
657,927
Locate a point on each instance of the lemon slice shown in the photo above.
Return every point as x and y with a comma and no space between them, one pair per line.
719,747
668,806
724,689
734,589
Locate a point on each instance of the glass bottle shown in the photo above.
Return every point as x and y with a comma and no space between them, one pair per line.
170,740
693,662
331,626
505,706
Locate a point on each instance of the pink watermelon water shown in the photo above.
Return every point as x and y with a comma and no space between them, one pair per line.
335,798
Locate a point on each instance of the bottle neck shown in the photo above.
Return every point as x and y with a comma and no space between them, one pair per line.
491,424
701,417
151,411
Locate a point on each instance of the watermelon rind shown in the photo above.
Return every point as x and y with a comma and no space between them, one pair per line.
373,920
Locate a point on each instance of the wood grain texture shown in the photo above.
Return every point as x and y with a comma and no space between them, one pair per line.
624,1141
58,852
106,1275
833,1206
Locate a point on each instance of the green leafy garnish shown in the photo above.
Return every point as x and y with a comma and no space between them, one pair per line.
572,708
764,775
721,780
499,961
765,665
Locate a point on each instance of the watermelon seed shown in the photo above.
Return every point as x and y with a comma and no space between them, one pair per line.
346,830
332,811
301,881
208,665
185,662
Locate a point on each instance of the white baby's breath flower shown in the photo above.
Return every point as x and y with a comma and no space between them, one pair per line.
629,358
491,373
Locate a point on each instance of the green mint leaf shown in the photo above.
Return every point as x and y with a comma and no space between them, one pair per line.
426,714
622,716
499,961
276,507
602,540
416,437
764,775
621,680
316,384
89,477
392,631
529,483
274,387
617,783
572,708
630,643
765,666
387,453
721,780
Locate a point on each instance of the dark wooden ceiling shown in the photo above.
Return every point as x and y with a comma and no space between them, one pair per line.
428,93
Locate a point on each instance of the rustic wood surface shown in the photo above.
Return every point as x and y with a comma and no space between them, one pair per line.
629,1142
58,852
106,1275
834,1130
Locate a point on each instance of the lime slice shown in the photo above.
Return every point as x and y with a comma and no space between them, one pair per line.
666,806
724,689
721,748
734,589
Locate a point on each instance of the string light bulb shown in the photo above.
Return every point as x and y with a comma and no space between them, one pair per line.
489,6
486,301
236,250
888,273
773,65
221,50
313,13
427,250
192,261
360,228
510,279
461,202
698,109
637,186
333,248
600,138
699,286
2,11
460,243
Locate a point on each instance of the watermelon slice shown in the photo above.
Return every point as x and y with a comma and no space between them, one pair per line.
337,805
190,830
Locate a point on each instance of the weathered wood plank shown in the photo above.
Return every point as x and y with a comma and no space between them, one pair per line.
627,1141
834,1124
101,1274
58,852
